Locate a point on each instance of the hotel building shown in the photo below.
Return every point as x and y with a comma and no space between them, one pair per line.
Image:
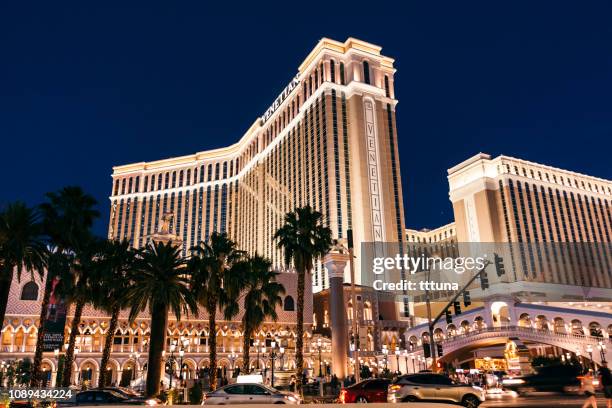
329,141
553,228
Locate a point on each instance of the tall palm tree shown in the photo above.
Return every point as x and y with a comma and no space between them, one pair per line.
160,282
68,216
21,247
216,286
304,239
80,293
58,267
109,290
262,294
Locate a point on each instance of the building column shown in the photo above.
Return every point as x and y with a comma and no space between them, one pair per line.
335,264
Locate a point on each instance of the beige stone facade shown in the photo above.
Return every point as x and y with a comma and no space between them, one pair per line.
329,141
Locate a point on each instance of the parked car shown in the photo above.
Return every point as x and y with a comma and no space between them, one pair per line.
434,387
108,397
131,394
249,394
555,378
370,390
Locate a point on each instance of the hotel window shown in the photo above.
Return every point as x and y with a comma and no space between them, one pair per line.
332,70
116,187
342,81
322,71
123,186
137,186
173,179
366,72
129,190
217,171
209,170
167,181
145,186
188,182
316,77
181,178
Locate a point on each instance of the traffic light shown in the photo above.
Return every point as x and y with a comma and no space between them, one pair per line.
499,265
349,238
466,298
439,349
449,316
484,280
457,307
426,350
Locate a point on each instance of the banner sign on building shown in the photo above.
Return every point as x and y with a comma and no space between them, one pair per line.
56,320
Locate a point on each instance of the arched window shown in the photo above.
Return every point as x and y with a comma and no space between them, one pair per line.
29,291
366,72
289,304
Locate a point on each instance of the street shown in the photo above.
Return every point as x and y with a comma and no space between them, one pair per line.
541,400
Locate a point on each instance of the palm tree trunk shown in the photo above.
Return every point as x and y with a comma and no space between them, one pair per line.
157,345
246,348
74,330
108,343
36,377
212,342
5,290
299,332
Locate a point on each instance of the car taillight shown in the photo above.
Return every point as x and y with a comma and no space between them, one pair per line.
395,387
343,396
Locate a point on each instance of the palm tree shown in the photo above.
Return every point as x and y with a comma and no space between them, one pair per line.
21,247
262,294
160,282
216,286
304,239
80,293
110,287
68,216
58,267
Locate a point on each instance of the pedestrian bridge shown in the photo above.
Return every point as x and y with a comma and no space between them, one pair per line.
583,332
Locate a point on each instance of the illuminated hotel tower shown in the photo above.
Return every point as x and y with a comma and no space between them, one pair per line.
329,140
558,223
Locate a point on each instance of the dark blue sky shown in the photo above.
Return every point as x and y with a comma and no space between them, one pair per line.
83,88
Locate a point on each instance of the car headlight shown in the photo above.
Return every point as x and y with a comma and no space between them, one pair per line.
513,381
291,398
151,402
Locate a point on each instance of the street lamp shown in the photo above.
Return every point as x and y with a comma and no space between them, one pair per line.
319,344
273,357
589,349
385,351
602,351
397,356
171,360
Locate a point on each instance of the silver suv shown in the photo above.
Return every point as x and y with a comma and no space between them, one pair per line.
434,387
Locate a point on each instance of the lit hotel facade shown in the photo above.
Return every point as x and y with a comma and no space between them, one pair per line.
329,141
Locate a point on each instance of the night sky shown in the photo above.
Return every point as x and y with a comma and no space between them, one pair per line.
87,87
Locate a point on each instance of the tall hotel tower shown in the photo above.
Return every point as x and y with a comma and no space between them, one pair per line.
329,140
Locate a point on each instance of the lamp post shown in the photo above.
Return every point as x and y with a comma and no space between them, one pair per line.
397,356
589,349
602,351
319,344
406,360
385,351
273,357
281,350
413,366
171,360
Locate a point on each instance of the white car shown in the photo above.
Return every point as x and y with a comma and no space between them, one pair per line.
249,393
434,387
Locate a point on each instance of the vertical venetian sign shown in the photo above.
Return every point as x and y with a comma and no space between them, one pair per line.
56,320
373,171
